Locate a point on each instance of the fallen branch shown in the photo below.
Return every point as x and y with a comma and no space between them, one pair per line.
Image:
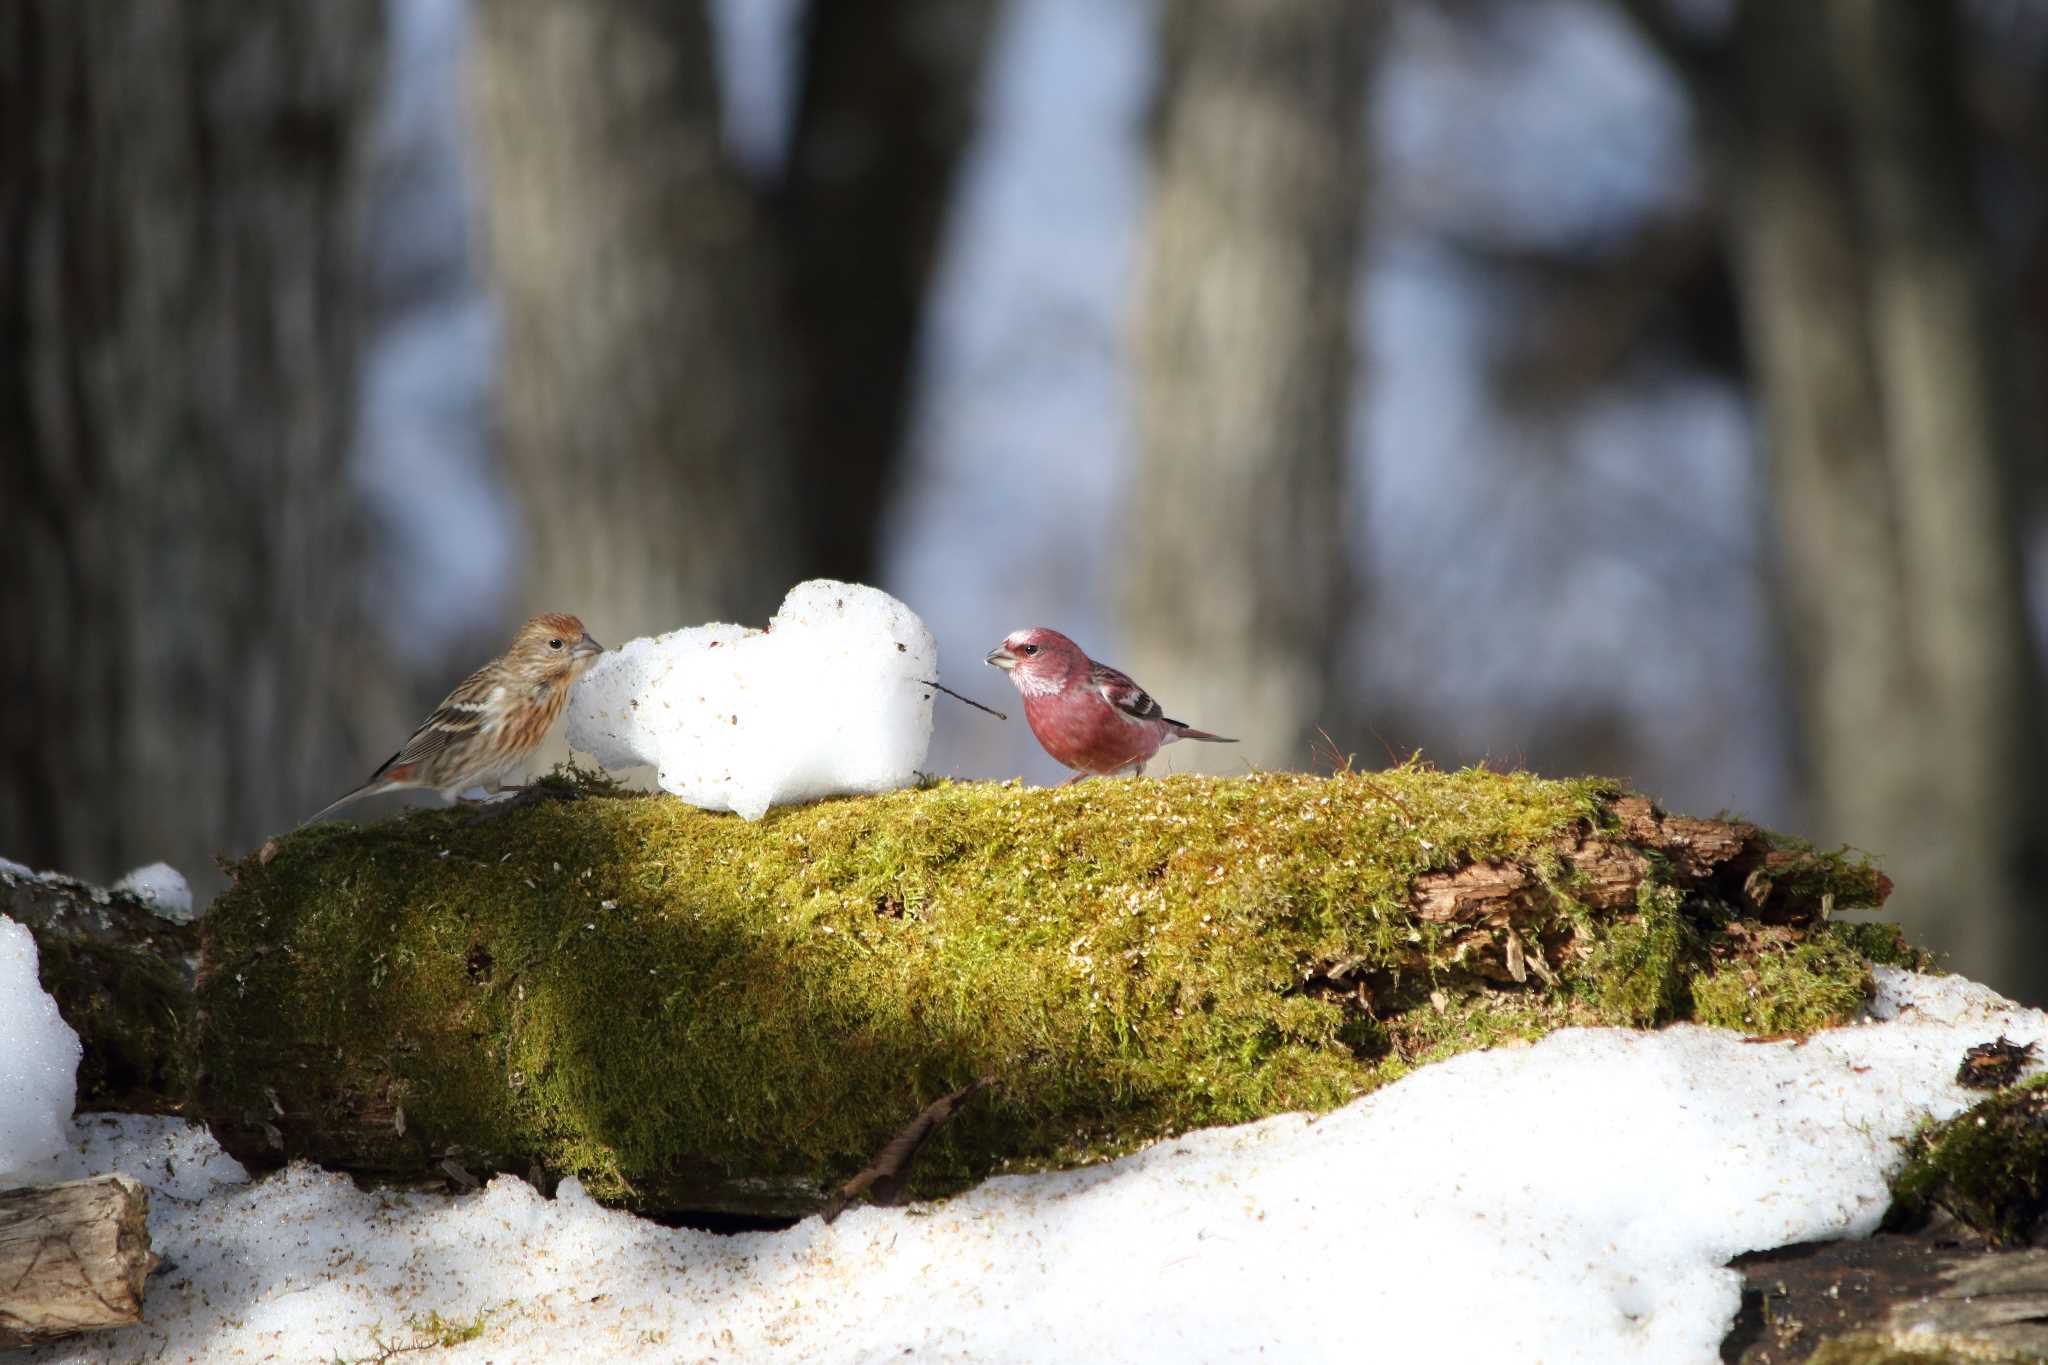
73,1258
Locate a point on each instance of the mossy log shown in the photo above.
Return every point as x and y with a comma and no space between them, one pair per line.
1986,1170
122,976
695,1013
73,1258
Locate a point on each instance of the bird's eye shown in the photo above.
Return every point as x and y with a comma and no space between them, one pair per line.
1028,649
554,644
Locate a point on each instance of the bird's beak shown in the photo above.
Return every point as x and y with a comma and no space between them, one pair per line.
1000,657
586,648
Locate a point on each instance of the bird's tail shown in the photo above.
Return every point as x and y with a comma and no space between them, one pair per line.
1182,730
367,789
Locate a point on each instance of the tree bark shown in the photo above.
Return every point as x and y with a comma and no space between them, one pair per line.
122,976
1801,280
1858,259
1940,354
642,409
73,1258
885,111
1235,575
179,213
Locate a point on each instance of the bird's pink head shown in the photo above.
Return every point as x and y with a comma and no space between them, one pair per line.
1037,659
553,645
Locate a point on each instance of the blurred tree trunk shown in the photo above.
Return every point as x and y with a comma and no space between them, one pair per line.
1942,354
885,110
1861,262
704,389
644,412
189,668
1841,588
1235,575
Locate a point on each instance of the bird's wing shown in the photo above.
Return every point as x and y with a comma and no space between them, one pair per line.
1125,695
461,714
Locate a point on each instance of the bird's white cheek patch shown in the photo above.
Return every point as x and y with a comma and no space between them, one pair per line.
1031,685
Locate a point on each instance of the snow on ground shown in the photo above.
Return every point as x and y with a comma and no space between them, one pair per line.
162,888
38,1061
1571,1200
826,702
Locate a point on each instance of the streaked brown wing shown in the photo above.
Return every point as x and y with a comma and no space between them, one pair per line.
460,715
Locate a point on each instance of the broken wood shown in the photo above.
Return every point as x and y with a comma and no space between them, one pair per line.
1603,868
1890,1298
122,976
73,1258
1478,908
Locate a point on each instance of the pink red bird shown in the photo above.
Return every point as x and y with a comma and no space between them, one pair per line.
494,719
1087,715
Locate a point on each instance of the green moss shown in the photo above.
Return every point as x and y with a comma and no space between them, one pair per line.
439,1331
135,1019
1988,1167
430,1333
1638,969
636,991
1780,986
1884,945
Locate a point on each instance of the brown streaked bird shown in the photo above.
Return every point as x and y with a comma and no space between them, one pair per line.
494,719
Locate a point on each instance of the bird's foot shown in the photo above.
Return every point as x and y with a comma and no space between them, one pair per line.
498,802
1077,777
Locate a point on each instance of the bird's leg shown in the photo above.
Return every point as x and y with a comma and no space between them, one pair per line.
490,808
542,791
510,798
1077,777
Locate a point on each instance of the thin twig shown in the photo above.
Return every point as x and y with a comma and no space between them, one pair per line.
969,700
890,1171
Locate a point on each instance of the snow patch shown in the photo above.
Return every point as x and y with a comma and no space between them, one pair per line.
826,702
1593,1185
176,1158
162,888
38,1062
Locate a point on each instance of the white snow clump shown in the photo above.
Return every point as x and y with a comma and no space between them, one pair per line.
38,1062
162,888
825,702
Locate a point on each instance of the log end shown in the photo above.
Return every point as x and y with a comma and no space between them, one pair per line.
73,1258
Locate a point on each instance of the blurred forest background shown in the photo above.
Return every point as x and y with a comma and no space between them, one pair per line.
1651,387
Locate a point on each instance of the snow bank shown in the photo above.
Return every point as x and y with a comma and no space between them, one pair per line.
38,1062
1587,1189
825,702
161,887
